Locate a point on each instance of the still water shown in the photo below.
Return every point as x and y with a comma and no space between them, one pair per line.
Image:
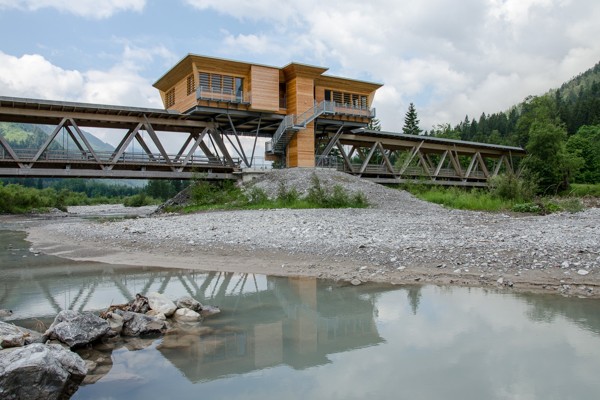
298,338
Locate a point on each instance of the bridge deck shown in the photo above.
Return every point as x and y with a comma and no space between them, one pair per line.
213,135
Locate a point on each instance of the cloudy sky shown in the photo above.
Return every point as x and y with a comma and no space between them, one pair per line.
450,58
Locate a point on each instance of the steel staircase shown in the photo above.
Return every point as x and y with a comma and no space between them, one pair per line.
292,124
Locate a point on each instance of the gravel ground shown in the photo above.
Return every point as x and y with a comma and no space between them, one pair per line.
400,239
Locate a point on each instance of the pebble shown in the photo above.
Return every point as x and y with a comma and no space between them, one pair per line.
583,272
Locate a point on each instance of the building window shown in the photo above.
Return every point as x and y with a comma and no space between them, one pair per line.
346,99
191,85
225,84
221,87
170,98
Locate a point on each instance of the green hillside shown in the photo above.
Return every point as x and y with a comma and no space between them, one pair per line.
560,130
24,136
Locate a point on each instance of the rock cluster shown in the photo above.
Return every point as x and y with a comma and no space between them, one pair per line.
42,366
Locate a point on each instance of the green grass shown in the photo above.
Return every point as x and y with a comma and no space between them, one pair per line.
477,200
486,200
581,190
227,196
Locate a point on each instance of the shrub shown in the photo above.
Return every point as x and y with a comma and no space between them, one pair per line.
138,200
285,196
527,208
316,193
510,187
256,196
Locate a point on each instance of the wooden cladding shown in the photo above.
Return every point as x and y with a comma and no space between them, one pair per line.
190,84
264,83
170,98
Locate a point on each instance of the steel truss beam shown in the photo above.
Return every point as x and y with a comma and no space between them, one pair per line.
447,163
203,150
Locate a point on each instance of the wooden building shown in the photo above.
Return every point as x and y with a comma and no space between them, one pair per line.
292,105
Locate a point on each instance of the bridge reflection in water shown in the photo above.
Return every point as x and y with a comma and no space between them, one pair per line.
265,321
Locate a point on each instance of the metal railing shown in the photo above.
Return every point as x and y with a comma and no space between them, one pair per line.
293,122
287,123
225,95
27,155
354,110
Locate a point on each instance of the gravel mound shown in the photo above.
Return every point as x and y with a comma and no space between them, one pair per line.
301,179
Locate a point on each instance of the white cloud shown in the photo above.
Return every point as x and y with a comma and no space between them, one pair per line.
251,10
96,9
33,76
449,58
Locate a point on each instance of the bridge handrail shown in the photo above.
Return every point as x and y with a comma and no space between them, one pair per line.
26,155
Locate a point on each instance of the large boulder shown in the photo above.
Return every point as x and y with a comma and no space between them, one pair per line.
135,324
15,336
77,329
189,302
159,302
40,371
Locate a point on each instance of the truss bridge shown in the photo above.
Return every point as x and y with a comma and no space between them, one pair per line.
388,157
217,143
208,143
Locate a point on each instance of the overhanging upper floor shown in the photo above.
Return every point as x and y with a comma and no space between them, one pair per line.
199,83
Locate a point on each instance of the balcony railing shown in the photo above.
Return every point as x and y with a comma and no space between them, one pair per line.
225,95
353,110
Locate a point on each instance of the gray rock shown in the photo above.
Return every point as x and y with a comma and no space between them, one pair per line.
15,336
135,324
158,315
355,282
187,315
115,322
208,311
189,302
583,272
40,371
139,304
159,302
5,313
77,329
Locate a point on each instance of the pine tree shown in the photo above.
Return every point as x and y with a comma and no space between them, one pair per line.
411,122
374,125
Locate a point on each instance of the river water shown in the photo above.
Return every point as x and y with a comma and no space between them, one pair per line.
301,338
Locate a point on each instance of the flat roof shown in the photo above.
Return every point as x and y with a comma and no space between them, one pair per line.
190,56
70,106
433,139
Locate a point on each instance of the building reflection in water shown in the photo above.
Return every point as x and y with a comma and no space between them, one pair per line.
302,322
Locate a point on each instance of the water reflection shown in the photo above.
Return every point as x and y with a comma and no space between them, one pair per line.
299,338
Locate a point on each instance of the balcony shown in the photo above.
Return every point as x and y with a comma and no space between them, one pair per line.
224,95
352,110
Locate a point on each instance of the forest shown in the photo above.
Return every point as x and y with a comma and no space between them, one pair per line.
560,130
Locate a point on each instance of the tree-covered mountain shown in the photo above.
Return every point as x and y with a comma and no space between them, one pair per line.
29,136
560,130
